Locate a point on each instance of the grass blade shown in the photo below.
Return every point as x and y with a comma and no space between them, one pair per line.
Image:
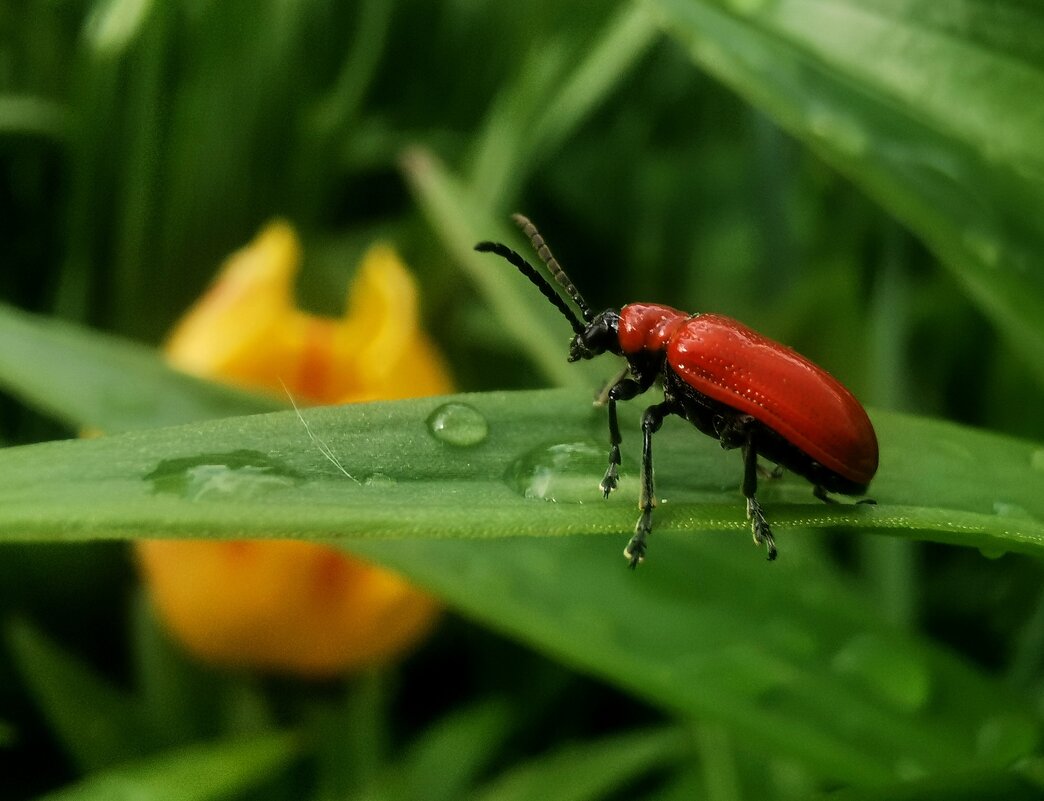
261,476
194,773
89,380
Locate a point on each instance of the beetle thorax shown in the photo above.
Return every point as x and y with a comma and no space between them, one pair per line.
648,327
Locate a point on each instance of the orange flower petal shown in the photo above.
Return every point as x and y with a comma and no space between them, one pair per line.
237,331
296,606
380,337
282,605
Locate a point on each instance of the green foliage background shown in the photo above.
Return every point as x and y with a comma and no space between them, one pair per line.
862,180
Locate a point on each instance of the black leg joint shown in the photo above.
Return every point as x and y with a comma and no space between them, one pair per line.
625,389
755,514
651,422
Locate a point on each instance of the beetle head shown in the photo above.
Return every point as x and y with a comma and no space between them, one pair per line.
597,337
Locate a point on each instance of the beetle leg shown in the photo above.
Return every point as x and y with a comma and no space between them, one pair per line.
820,493
603,394
651,422
624,389
758,524
774,474
732,432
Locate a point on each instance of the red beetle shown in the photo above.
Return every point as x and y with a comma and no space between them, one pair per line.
732,383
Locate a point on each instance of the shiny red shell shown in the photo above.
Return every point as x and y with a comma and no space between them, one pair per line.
730,363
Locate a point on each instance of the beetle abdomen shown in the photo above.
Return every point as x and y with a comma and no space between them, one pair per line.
732,364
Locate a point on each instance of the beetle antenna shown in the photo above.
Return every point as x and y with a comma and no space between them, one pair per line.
530,272
544,252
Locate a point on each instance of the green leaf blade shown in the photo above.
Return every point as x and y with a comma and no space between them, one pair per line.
96,723
535,474
711,633
89,380
204,772
589,771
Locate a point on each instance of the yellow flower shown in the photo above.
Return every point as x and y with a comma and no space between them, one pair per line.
295,606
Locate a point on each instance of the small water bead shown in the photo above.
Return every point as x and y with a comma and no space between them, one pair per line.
242,474
993,553
458,424
560,472
379,481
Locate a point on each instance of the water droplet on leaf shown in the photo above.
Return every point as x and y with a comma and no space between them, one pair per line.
1006,509
562,471
993,553
379,480
458,424
242,474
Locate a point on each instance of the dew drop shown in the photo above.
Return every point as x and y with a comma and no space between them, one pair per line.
379,481
561,472
898,677
458,424
242,474
1006,509
993,553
